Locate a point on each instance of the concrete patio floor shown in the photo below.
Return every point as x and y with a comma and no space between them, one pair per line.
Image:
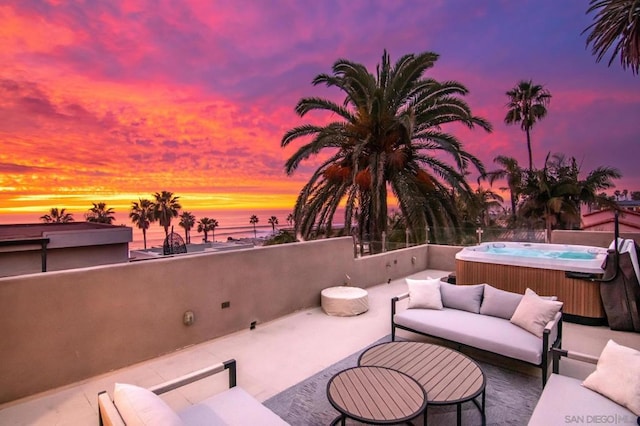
270,358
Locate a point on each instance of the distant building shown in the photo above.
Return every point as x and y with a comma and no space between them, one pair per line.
42,247
603,220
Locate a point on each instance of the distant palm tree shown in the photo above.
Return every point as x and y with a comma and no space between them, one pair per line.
57,216
141,215
513,173
290,219
187,221
254,219
99,213
527,105
616,22
213,225
204,225
165,208
273,221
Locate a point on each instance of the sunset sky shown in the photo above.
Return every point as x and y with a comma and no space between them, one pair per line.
114,100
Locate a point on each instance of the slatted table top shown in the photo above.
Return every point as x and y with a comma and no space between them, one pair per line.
448,377
376,395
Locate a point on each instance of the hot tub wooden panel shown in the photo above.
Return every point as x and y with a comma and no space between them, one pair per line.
581,298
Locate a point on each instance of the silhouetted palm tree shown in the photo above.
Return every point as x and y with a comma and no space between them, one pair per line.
205,225
617,22
513,173
290,219
389,135
254,219
57,216
141,215
99,213
273,221
213,225
165,208
527,105
187,221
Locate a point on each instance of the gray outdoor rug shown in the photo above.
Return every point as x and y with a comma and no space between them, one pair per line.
510,398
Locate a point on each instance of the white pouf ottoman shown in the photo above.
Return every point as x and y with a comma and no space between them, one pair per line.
344,301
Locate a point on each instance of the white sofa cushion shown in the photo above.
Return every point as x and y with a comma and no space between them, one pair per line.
565,401
463,297
424,294
499,303
533,313
617,376
141,407
232,407
480,331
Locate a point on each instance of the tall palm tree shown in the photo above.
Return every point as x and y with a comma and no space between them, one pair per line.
254,220
165,208
187,221
388,136
513,173
204,225
527,105
616,22
290,219
141,215
57,216
273,221
99,213
212,226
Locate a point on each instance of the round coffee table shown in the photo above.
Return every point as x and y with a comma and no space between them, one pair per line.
375,395
447,376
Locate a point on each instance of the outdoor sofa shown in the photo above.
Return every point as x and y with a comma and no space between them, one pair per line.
483,317
565,400
133,405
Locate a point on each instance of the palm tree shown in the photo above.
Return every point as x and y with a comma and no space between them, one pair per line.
513,173
57,216
204,225
213,225
616,22
165,208
141,215
273,221
290,219
527,105
187,221
99,213
253,220
388,136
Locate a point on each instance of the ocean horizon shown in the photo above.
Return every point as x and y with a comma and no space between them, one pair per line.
232,223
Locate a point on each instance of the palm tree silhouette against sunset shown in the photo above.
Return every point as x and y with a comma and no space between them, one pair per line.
165,208
527,105
57,216
187,221
99,213
273,221
141,215
254,219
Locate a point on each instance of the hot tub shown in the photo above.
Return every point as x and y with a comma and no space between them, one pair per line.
548,269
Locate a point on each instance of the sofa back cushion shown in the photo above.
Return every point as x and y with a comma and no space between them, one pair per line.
462,297
499,303
533,313
141,407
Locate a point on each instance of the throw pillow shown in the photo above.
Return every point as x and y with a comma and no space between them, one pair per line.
462,297
141,407
499,303
424,294
533,312
617,376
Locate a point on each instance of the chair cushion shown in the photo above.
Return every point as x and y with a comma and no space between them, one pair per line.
424,294
479,331
463,297
617,376
499,303
564,401
139,406
233,407
533,312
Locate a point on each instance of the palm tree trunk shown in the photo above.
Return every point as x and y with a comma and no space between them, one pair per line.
529,148
144,237
513,206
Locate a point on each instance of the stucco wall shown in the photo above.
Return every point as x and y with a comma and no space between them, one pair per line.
590,238
61,327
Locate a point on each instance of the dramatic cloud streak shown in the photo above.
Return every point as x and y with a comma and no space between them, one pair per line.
114,100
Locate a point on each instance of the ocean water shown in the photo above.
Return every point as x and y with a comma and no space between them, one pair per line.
232,223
